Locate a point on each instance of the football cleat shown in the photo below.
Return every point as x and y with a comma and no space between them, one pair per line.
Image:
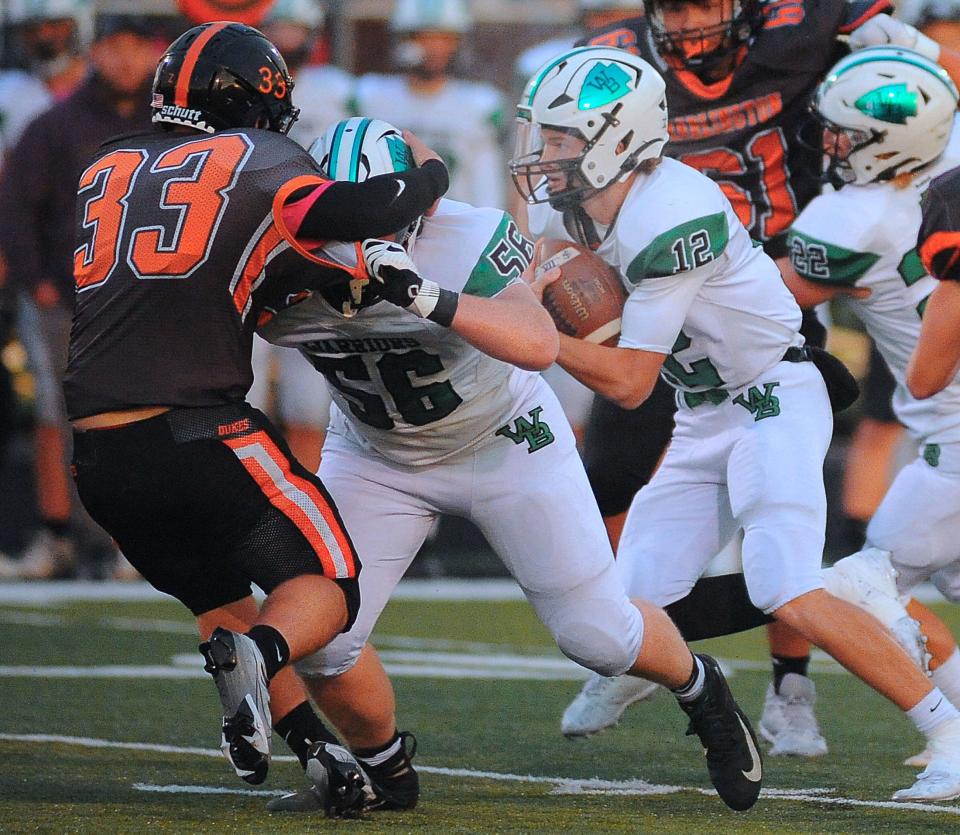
395,783
238,670
788,720
868,580
733,757
940,780
390,786
339,790
601,703
337,780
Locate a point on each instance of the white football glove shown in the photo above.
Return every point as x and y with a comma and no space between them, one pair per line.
379,254
882,30
389,264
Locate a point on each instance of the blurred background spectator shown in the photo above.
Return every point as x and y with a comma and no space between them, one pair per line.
462,120
37,206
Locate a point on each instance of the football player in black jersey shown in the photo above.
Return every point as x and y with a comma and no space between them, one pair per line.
739,76
181,234
937,356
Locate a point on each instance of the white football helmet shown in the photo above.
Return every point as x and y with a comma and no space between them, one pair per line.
359,148
307,13
44,56
889,110
34,11
430,15
611,100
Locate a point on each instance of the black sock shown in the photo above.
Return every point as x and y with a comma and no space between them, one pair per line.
690,691
300,728
60,528
272,645
782,666
367,755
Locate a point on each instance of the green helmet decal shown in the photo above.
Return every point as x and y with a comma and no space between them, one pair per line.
604,83
400,153
890,103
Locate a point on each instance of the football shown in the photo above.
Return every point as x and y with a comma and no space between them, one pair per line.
586,302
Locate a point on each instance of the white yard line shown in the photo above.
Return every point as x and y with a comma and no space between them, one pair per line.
561,785
433,589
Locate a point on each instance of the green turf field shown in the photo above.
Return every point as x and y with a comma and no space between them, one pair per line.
107,724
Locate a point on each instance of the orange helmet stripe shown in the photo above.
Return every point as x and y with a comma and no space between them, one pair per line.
190,61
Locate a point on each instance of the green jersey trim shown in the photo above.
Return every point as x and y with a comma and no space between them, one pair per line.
826,263
502,261
685,247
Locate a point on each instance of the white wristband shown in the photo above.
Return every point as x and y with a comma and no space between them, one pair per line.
426,299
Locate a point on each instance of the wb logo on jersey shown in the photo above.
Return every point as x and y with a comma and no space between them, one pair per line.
534,431
761,404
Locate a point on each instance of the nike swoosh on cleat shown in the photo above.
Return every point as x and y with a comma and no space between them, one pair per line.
756,771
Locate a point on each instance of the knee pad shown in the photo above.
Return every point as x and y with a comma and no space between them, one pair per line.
596,649
599,634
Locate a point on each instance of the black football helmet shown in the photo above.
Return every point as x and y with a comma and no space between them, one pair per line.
223,75
738,27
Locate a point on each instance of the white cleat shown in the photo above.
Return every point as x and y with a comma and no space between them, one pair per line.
601,703
868,580
940,780
921,760
788,721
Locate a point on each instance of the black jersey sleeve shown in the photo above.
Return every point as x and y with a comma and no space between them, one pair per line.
939,237
324,210
858,12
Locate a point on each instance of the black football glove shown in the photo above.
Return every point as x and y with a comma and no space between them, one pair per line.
390,266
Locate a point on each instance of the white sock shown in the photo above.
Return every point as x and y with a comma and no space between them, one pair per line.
694,687
947,677
931,711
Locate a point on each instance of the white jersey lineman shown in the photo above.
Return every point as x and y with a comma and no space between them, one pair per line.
424,424
462,122
752,430
865,236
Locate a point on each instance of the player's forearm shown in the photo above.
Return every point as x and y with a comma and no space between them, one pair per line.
622,375
514,329
348,211
937,354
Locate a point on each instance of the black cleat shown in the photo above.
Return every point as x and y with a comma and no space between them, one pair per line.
733,758
395,783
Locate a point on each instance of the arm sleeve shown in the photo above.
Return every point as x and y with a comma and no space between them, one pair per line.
656,309
347,211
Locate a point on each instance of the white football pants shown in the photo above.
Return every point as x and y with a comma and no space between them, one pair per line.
725,470
535,508
918,521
